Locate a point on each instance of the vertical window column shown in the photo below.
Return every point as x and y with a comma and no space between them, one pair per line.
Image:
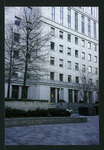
76,21
82,24
53,13
69,18
61,15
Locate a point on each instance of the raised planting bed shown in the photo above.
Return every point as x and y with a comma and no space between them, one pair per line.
11,122
87,111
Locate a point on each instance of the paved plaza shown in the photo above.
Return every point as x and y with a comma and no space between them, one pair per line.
55,134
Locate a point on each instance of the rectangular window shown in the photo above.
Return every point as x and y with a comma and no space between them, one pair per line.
52,31
76,40
15,91
95,47
76,21
61,77
82,24
70,95
83,68
16,54
69,78
76,66
28,57
96,71
89,28
89,57
76,53
68,51
77,79
61,62
83,55
83,43
26,91
53,13
69,18
61,35
90,69
89,45
29,25
52,45
69,64
84,80
61,15
94,30
69,38
16,37
17,21
61,48
95,59
52,75
15,74
52,60
29,10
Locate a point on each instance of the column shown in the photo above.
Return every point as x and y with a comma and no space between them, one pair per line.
20,90
56,94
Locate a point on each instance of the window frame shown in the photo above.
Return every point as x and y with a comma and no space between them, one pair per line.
76,40
60,62
52,60
52,46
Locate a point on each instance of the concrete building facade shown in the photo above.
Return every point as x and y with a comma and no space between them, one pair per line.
74,47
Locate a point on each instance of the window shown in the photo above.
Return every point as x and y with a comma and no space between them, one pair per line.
82,24
90,69
52,45
61,15
95,47
26,91
89,28
76,21
76,40
61,35
69,38
61,62
29,10
83,68
15,74
28,57
16,54
52,75
76,66
61,77
76,53
52,60
83,55
29,25
15,91
96,83
77,79
69,64
53,13
68,51
96,71
70,95
69,78
52,31
95,59
89,45
90,81
61,48
69,18
83,43
84,80
16,37
94,30
89,57
17,21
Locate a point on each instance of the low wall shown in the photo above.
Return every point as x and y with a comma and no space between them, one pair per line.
42,120
27,104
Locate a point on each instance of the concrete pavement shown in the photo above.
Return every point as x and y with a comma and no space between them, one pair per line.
55,134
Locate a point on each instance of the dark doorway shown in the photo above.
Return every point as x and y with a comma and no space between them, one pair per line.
53,95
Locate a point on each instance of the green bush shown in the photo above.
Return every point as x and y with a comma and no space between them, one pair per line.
10,113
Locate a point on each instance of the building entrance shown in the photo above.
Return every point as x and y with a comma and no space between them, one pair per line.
53,95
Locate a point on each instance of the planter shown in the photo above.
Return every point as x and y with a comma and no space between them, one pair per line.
87,111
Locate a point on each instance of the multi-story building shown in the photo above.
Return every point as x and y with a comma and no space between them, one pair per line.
74,47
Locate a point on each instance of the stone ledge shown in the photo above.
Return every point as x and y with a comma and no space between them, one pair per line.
11,122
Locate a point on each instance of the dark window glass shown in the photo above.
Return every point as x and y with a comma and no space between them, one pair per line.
52,45
16,37
15,91
17,21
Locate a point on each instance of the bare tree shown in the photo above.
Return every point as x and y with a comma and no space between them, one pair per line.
30,46
85,84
